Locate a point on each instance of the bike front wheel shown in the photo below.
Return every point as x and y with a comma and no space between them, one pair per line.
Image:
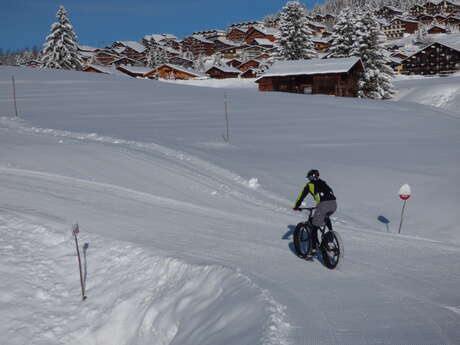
302,240
332,249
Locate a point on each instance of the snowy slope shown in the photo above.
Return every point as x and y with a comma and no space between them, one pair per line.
439,92
186,248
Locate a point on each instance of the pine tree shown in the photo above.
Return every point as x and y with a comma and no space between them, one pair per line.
61,48
156,56
376,81
344,36
295,41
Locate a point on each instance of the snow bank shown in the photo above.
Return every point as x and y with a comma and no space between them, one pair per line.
439,92
134,297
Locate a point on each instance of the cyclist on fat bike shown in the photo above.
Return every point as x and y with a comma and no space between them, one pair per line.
326,203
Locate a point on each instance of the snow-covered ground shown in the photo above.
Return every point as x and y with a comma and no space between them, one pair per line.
439,92
190,238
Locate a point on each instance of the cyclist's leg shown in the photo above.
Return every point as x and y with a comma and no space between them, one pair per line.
323,209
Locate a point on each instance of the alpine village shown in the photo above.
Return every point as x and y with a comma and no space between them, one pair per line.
320,51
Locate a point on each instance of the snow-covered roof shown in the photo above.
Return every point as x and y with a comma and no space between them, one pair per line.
140,48
87,48
267,31
451,41
263,41
309,67
105,69
202,39
316,24
321,40
159,38
394,9
183,69
227,69
136,70
227,42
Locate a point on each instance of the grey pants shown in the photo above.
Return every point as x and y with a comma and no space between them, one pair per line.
322,209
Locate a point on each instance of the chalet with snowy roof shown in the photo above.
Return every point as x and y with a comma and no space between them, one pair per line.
234,63
134,71
389,12
316,28
167,40
105,57
250,64
237,34
442,56
453,21
170,71
250,73
198,45
223,72
133,50
223,43
442,6
262,42
181,61
329,18
417,10
437,29
263,56
319,18
321,45
337,77
124,60
103,69
426,19
258,31
398,27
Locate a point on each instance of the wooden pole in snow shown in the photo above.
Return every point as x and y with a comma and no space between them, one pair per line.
75,231
14,96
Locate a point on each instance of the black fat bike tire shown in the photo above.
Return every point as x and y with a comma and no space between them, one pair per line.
332,249
302,241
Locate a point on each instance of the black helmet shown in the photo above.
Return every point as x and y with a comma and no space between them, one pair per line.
313,174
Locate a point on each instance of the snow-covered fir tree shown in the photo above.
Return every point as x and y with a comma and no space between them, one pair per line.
61,48
376,81
156,56
344,35
295,41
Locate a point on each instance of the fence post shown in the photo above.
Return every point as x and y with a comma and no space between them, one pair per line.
14,96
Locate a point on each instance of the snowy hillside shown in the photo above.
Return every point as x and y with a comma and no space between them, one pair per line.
190,238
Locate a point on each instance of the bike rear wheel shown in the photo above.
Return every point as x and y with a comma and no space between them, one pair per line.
302,240
332,249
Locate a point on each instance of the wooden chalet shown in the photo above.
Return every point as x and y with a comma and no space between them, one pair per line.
321,44
337,77
389,12
432,7
426,19
223,72
317,28
170,71
262,42
166,40
102,69
223,43
263,56
437,29
124,60
442,56
234,63
211,34
181,61
250,64
453,21
134,71
237,34
131,49
399,27
258,31
198,45
319,18
106,57
250,73
417,10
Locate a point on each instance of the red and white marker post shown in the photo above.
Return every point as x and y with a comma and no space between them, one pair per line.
75,231
404,193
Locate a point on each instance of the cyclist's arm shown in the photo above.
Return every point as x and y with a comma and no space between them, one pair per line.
301,197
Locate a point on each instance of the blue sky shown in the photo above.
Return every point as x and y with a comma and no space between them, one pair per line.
25,23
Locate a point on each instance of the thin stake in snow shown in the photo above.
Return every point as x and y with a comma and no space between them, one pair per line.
75,231
226,137
404,194
14,96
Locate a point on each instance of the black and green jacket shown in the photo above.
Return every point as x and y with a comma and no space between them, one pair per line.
319,190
